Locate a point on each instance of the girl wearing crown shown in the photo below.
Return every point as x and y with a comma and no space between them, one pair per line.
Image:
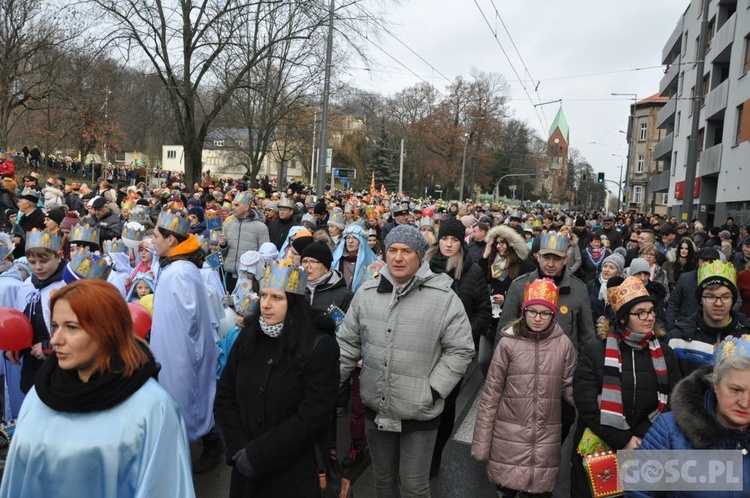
518,431
623,382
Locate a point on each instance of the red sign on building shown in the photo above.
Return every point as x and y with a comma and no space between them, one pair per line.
679,189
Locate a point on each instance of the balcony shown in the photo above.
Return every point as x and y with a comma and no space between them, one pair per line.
663,149
672,45
721,44
716,101
669,80
660,182
710,160
667,112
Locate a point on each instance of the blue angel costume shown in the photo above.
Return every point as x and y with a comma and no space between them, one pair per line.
365,256
182,336
108,438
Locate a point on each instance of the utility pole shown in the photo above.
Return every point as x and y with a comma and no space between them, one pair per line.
312,153
401,171
463,168
629,138
320,187
686,213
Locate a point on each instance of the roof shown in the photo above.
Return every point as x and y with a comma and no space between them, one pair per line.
560,122
653,99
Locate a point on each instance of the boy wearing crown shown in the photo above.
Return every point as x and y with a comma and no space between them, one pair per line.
182,337
694,337
44,256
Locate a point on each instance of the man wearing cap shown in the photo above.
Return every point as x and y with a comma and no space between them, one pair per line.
694,336
613,234
668,238
414,339
682,300
110,225
242,233
682,232
320,211
400,213
29,217
278,229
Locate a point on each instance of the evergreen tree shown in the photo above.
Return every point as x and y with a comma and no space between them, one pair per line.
383,160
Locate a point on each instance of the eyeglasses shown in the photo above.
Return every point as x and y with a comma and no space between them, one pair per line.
648,255
310,262
544,315
711,299
644,314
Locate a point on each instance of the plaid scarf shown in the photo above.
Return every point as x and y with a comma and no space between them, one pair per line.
612,413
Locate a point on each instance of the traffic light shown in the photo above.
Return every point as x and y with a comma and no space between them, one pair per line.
600,177
584,177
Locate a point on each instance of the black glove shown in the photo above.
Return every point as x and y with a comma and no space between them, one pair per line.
243,465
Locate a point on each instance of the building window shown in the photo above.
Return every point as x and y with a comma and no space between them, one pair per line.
637,194
704,90
673,166
171,154
692,101
701,139
747,53
665,198
640,163
677,124
710,33
218,143
643,133
738,132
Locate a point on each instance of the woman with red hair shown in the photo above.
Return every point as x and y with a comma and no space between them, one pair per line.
96,418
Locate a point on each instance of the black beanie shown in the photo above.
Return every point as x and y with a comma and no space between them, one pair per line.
452,227
320,208
319,251
300,243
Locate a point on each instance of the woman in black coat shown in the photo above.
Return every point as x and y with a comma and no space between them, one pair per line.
635,393
278,391
451,256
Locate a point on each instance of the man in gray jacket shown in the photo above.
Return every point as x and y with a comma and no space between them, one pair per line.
414,338
242,233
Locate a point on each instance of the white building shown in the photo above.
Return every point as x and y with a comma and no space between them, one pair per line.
723,172
223,155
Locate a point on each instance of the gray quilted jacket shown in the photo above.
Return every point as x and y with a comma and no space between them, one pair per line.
411,343
242,236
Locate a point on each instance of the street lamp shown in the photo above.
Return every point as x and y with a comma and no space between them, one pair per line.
619,185
629,134
463,168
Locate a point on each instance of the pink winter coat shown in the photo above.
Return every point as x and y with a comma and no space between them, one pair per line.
518,428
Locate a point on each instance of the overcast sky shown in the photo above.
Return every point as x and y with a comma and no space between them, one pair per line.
565,44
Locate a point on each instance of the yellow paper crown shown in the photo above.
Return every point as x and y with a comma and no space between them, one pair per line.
541,291
290,278
718,272
631,288
732,346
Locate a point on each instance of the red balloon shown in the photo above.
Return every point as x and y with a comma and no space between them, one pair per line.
16,332
141,319
428,212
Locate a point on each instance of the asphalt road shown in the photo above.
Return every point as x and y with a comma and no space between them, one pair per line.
459,474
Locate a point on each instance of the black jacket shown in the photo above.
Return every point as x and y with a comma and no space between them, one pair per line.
331,291
590,270
682,301
279,229
694,341
599,308
110,227
276,413
639,399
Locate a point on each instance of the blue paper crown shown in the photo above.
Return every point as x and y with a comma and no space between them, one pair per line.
6,246
114,245
133,230
175,221
289,278
85,233
732,346
213,220
213,236
29,191
85,264
44,239
308,217
243,198
336,218
140,214
554,242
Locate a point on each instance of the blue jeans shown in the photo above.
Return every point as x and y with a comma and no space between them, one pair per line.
400,457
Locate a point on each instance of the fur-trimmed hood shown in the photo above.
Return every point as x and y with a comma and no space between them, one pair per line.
693,410
603,326
515,241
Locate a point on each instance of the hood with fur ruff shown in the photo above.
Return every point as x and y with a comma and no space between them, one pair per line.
515,241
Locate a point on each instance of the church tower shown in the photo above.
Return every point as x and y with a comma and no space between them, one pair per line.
557,152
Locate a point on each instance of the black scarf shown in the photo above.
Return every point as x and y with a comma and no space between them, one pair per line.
196,258
439,264
63,391
55,277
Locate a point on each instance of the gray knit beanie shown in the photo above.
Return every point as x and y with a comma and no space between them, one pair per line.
616,260
409,235
639,265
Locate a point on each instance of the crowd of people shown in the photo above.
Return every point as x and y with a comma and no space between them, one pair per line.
273,313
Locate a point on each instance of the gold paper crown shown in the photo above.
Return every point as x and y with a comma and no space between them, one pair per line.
43,238
114,245
85,233
286,202
541,291
290,278
85,264
718,271
134,231
139,214
732,346
631,288
174,220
